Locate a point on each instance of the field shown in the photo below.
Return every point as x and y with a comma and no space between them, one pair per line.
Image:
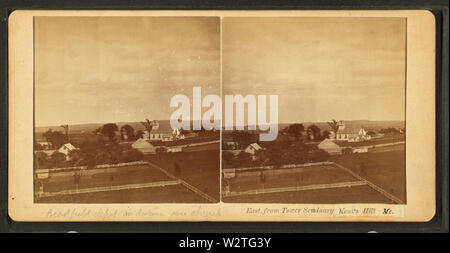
110,177
289,177
355,194
391,139
167,194
130,184
201,169
384,169
374,177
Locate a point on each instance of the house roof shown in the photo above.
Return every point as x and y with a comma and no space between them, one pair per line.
350,130
162,129
141,143
256,146
328,144
69,146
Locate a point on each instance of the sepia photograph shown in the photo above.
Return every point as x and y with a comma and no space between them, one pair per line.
221,116
340,84
102,116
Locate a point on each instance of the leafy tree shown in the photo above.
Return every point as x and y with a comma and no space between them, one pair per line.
313,132
244,159
139,134
66,131
243,138
228,159
38,146
296,131
325,134
371,133
127,133
41,160
109,130
55,138
57,159
148,125
334,125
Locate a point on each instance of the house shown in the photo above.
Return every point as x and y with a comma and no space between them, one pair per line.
253,148
65,149
144,146
163,133
45,145
329,146
360,149
351,133
231,145
174,149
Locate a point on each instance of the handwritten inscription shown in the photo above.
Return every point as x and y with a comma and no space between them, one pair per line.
112,213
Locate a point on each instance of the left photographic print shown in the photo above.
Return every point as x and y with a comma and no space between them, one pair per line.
102,107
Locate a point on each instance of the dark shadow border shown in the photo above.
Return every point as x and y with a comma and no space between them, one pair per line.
438,224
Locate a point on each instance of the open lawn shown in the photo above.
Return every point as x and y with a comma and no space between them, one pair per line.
290,177
354,194
375,141
167,194
201,169
384,169
136,174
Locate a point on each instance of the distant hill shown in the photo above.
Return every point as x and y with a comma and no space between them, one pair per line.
367,124
89,128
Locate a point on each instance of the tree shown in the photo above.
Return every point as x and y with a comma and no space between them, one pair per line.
296,131
57,159
41,160
127,133
97,131
148,126
244,159
66,131
228,159
334,125
38,146
313,132
109,130
55,138
371,133
243,138
325,134
139,134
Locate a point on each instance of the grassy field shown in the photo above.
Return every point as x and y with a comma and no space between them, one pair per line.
390,139
384,169
167,194
136,174
356,194
295,177
201,169
399,147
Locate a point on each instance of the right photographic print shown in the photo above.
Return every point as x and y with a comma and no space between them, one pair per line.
337,88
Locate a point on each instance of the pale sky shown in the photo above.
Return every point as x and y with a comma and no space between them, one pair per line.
111,69
321,68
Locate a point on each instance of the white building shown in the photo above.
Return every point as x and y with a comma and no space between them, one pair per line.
330,147
253,148
163,133
144,146
66,149
351,133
